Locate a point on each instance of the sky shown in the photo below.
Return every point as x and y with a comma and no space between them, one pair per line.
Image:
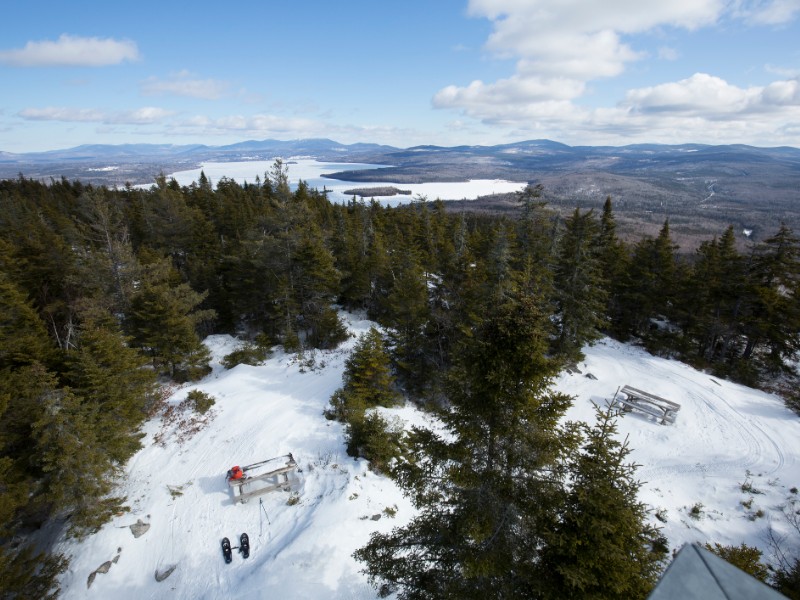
445,72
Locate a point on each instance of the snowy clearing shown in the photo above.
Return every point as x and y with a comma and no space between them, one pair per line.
302,541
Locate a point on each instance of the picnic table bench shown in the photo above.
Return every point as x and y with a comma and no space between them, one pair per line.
629,399
265,476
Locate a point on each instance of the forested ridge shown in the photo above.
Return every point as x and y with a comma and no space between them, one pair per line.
107,293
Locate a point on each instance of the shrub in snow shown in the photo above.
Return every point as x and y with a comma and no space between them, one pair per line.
200,401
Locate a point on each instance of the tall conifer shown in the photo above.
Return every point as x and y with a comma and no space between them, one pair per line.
485,489
580,289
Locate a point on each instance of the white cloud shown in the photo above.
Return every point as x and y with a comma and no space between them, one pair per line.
713,98
509,92
72,51
183,84
788,73
142,116
766,12
78,115
701,108
561,45
258,124
699,94
555,34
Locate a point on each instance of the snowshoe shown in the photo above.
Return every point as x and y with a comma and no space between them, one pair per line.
244,545
226,550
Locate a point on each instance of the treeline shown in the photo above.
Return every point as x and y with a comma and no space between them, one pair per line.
103,291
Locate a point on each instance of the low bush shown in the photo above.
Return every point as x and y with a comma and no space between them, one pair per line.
200,401
250,353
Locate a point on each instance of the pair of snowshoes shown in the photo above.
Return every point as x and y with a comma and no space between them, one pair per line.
244,547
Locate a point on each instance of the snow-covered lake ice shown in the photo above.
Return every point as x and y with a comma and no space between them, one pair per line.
311,171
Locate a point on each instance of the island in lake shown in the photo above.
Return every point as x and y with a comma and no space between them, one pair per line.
376,191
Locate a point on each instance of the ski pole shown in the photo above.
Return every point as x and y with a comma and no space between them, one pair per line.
261,502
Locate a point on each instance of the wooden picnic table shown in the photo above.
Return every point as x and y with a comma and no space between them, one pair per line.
630,399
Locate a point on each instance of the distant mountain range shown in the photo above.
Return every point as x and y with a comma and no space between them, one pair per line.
698,187
528,156
156,153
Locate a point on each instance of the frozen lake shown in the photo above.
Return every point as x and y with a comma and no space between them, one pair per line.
310,171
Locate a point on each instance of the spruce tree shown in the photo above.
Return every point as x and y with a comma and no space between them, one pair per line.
367,378
108,269
775,322
580,289
78,474
716,299
314,281
614,262
650,286
26,573
367,383
747,558
163,322
407,314
111,377
601,546
487,487
23,336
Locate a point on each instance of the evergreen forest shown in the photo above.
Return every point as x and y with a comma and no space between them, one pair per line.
107,294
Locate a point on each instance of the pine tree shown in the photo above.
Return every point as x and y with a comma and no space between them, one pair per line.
716,298
111,377
163,322
108,269
486,488
580,289
652,282
367,378
368,383
775,321
602,546
78,475
314,283
26,573
407,314
747,558
23,336
614,262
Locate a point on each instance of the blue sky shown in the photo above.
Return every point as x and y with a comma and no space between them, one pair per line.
441,72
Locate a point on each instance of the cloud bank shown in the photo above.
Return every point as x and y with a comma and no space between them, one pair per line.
561,46
141,116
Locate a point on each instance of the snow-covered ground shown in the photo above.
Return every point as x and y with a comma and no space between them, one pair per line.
725,436
302,549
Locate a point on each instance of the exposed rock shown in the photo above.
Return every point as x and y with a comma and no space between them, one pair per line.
139,528
162,574
376,517
590,376
104,568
